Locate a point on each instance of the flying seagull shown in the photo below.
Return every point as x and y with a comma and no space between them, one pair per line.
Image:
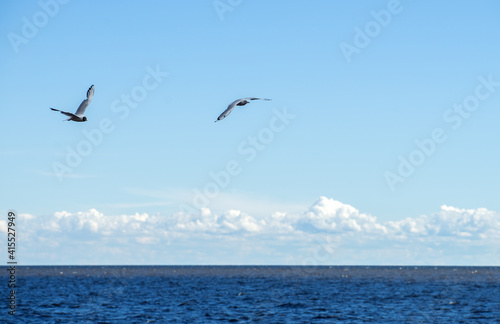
239,102
78,116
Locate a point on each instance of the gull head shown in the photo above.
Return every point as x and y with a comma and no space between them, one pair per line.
84,118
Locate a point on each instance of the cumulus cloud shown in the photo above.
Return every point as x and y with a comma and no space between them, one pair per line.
325,216
280,233
333,216
451,222
3,226
94,222
229,222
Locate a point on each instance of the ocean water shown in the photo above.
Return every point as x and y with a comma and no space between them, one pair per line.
248,294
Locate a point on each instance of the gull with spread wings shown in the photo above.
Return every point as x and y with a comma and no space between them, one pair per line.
239,102
78,116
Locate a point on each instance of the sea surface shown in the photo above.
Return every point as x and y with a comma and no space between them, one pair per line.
252,294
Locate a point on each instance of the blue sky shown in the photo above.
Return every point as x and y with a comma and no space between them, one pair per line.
383,122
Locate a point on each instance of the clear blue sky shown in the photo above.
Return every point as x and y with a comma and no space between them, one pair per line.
363,81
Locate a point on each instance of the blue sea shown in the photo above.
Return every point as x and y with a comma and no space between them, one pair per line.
253,294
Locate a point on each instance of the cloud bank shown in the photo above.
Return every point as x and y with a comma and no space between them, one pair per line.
328,232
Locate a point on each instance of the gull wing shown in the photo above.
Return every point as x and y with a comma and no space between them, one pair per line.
64,112
83,106
253,98
228,109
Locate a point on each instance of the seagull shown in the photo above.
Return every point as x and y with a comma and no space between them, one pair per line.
239,102
78,116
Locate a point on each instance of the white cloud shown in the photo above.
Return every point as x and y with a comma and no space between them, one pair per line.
451,222
3,226
228,222
334,216
237,237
